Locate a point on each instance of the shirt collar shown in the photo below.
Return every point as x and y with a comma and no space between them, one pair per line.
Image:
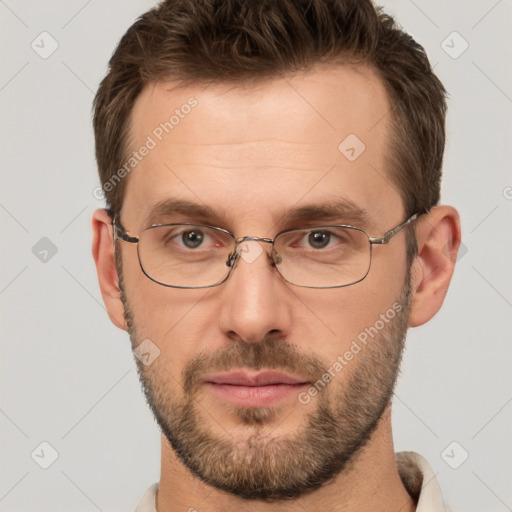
415,472
420,482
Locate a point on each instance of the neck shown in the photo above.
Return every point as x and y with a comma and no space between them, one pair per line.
371,482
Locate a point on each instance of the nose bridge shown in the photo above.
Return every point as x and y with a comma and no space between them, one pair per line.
253,301
249,252
254,239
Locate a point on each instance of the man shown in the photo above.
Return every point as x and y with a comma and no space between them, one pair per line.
272,174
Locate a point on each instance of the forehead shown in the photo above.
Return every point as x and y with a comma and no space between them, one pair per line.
261,147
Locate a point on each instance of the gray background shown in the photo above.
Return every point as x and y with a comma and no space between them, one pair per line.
67,374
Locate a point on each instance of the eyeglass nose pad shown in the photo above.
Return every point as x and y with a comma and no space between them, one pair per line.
230,262
276,258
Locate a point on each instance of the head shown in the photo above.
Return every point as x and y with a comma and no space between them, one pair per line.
237,115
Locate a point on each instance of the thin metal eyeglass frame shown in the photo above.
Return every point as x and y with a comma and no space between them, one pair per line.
121,234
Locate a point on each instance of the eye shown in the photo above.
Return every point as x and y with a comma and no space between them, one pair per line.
192,238
188,238
319,239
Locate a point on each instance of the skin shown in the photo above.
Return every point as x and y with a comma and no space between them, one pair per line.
252,153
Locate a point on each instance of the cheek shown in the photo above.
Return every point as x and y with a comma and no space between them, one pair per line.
333,319
158,310
180,323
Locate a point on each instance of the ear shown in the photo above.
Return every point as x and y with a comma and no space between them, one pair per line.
104,257
438,235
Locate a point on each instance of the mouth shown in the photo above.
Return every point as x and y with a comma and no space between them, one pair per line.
261,389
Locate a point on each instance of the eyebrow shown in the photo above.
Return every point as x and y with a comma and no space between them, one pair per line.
174,206
340,211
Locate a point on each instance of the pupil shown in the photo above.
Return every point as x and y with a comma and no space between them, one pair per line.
319,239
192,239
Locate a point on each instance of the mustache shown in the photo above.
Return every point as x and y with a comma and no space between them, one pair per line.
273,353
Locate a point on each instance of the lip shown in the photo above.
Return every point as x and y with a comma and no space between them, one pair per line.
261,389
265,378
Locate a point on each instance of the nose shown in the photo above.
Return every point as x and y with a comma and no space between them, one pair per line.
255,299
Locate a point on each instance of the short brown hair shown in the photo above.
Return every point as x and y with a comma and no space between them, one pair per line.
247,40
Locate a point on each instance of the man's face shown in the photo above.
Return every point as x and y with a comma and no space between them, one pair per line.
253,155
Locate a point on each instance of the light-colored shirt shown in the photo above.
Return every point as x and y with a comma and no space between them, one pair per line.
415,472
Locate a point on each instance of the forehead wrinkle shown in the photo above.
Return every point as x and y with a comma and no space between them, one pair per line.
260,153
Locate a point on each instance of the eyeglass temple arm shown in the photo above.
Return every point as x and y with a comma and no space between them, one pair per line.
392,232
121,234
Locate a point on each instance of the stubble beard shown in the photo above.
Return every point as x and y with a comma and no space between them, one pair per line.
259,465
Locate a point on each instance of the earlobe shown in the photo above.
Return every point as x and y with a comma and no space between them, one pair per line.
438,235
104,257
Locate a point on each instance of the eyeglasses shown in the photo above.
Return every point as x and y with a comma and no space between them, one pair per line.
201,256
